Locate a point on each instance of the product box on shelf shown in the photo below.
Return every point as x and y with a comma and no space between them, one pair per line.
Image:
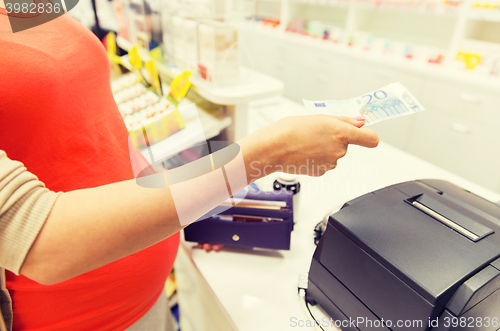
180,38
148,117
218,55
134,24
177,38
480,56
168,36
156,128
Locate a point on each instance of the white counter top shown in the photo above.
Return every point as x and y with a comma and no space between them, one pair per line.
251,85
448,73
258,288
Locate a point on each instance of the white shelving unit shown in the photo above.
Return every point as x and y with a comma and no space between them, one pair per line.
189,136
251,85
443,25
281,44
459,129
213,122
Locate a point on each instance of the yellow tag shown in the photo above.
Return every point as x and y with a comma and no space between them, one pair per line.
111,42
471,60
111,47
134,58
154,80
115,58
179,88
157,54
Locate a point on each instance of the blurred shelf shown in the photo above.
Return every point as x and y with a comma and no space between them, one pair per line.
251,85
341,4
415,9
213,122
484,15
446,72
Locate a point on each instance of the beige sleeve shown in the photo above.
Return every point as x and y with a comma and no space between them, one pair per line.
25,204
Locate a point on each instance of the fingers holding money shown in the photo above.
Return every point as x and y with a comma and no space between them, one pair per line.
353,133
363,137
355,121
306,145
391,101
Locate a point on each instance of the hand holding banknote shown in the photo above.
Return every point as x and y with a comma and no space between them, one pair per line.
305,145
391,101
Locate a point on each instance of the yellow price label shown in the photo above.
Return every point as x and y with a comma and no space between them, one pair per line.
154,80
115,58
179,88
111,48
134,58
111,42
471,60
157,54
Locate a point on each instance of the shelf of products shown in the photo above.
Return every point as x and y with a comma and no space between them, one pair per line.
484,15
249,85
192,36
463,102
395,57
213,122
170,129
435,31
446,52
442,31
420,7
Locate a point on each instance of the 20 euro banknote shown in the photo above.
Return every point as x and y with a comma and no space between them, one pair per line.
393,100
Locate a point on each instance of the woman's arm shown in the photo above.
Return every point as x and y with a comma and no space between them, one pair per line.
89,228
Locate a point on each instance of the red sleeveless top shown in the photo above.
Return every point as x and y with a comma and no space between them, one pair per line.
58,117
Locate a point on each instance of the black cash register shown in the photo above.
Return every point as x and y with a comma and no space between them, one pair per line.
420,255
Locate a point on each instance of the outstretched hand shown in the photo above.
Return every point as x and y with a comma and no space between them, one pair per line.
305,145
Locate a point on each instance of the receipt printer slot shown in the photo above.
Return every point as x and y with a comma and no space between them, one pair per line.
459,222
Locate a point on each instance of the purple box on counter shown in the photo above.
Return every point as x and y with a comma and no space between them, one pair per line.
273,234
